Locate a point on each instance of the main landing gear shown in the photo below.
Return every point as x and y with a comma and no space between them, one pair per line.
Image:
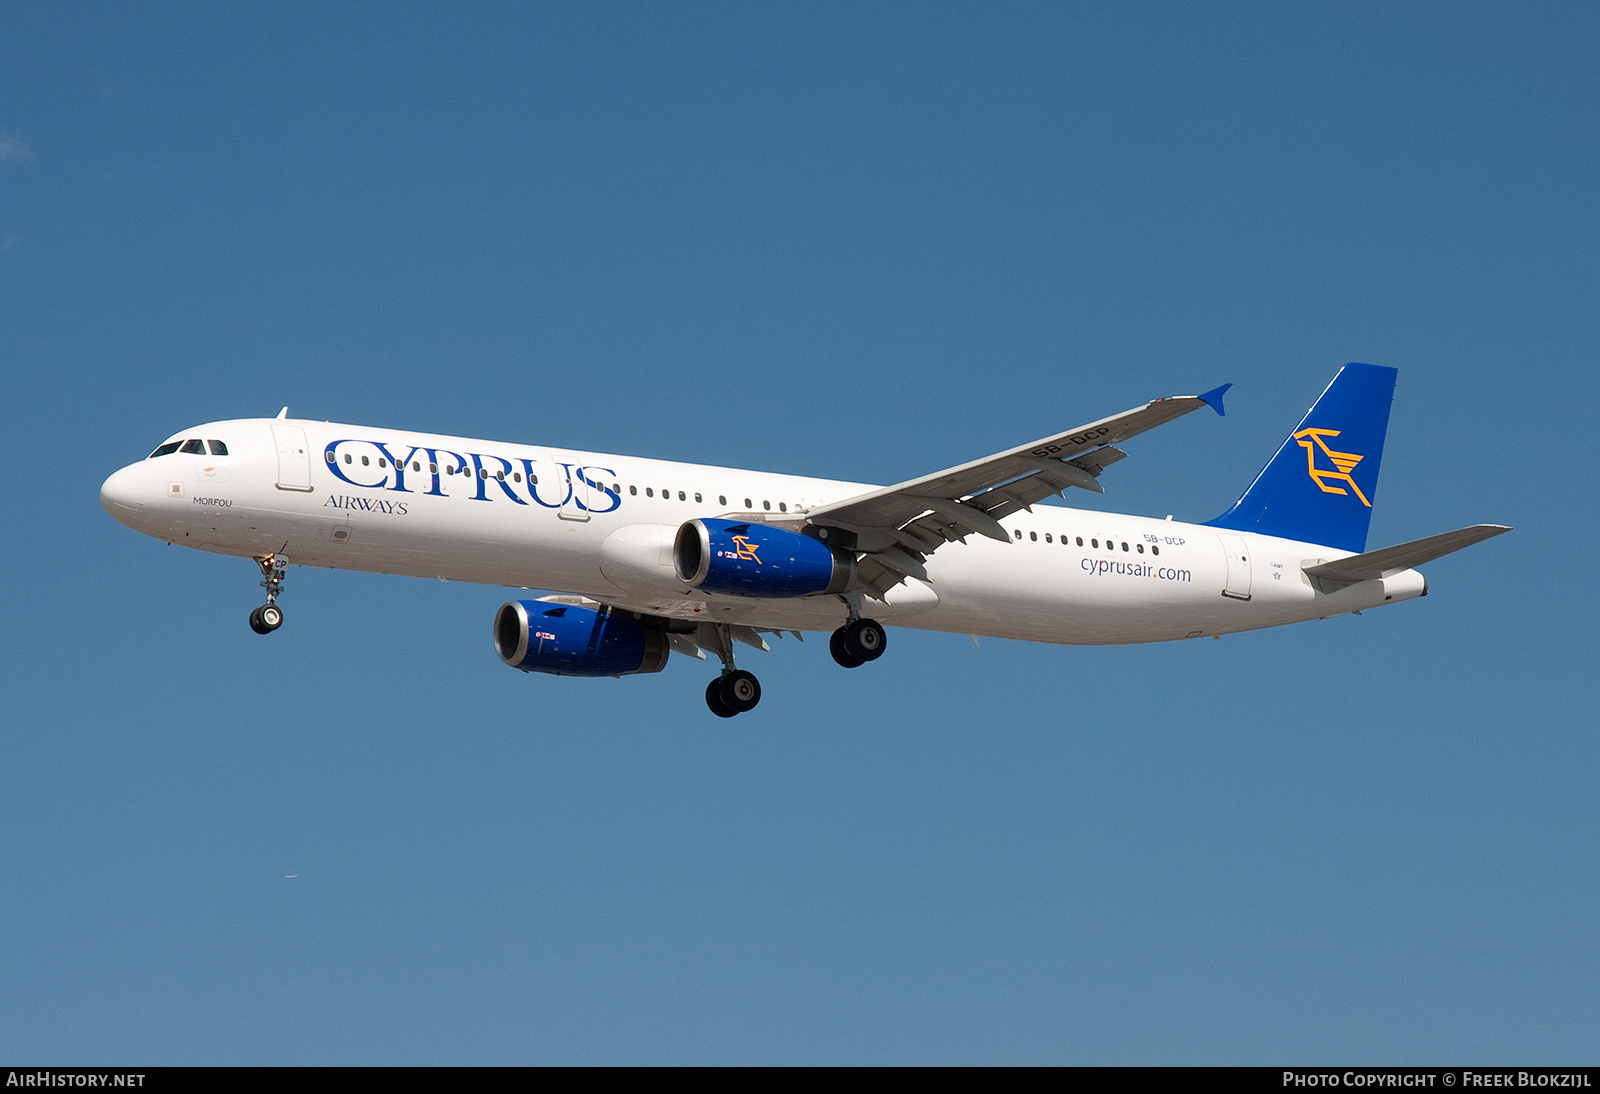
857,642
733,693
736,690
269,617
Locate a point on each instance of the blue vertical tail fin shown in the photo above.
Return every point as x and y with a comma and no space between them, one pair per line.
1320,485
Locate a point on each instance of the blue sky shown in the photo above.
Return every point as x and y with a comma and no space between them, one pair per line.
833,241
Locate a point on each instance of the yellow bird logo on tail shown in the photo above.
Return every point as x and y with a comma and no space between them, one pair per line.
1344,462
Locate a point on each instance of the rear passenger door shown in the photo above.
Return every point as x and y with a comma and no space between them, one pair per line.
1238,553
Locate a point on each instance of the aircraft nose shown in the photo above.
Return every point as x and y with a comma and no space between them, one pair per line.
124,494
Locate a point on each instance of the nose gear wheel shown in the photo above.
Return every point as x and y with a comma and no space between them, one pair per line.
266,619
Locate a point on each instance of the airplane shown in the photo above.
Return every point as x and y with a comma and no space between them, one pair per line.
654,557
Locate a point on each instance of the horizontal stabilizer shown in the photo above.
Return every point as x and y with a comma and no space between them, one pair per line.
1403,556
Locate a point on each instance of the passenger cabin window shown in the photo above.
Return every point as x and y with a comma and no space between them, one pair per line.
166,450
196,447
722,499
218,448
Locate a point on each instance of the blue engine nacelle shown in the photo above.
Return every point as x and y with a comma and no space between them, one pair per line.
748,558
570,640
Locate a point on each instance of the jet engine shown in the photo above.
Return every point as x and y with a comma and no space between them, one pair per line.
572,640
748,558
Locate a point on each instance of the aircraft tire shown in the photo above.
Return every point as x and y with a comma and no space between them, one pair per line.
714,700
271,617
864,639
740,690
843,656
256,624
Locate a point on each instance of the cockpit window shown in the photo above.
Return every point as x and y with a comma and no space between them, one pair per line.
166,450
195,447
218,448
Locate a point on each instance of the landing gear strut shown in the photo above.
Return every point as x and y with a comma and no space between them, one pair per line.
857,642
269,617
736,690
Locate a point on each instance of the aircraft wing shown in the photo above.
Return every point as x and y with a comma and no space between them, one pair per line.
899,526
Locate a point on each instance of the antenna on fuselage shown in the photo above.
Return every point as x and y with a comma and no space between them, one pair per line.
284,413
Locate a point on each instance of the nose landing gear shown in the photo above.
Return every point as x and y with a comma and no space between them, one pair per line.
269,617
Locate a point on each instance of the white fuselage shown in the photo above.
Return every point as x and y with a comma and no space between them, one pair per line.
602,526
